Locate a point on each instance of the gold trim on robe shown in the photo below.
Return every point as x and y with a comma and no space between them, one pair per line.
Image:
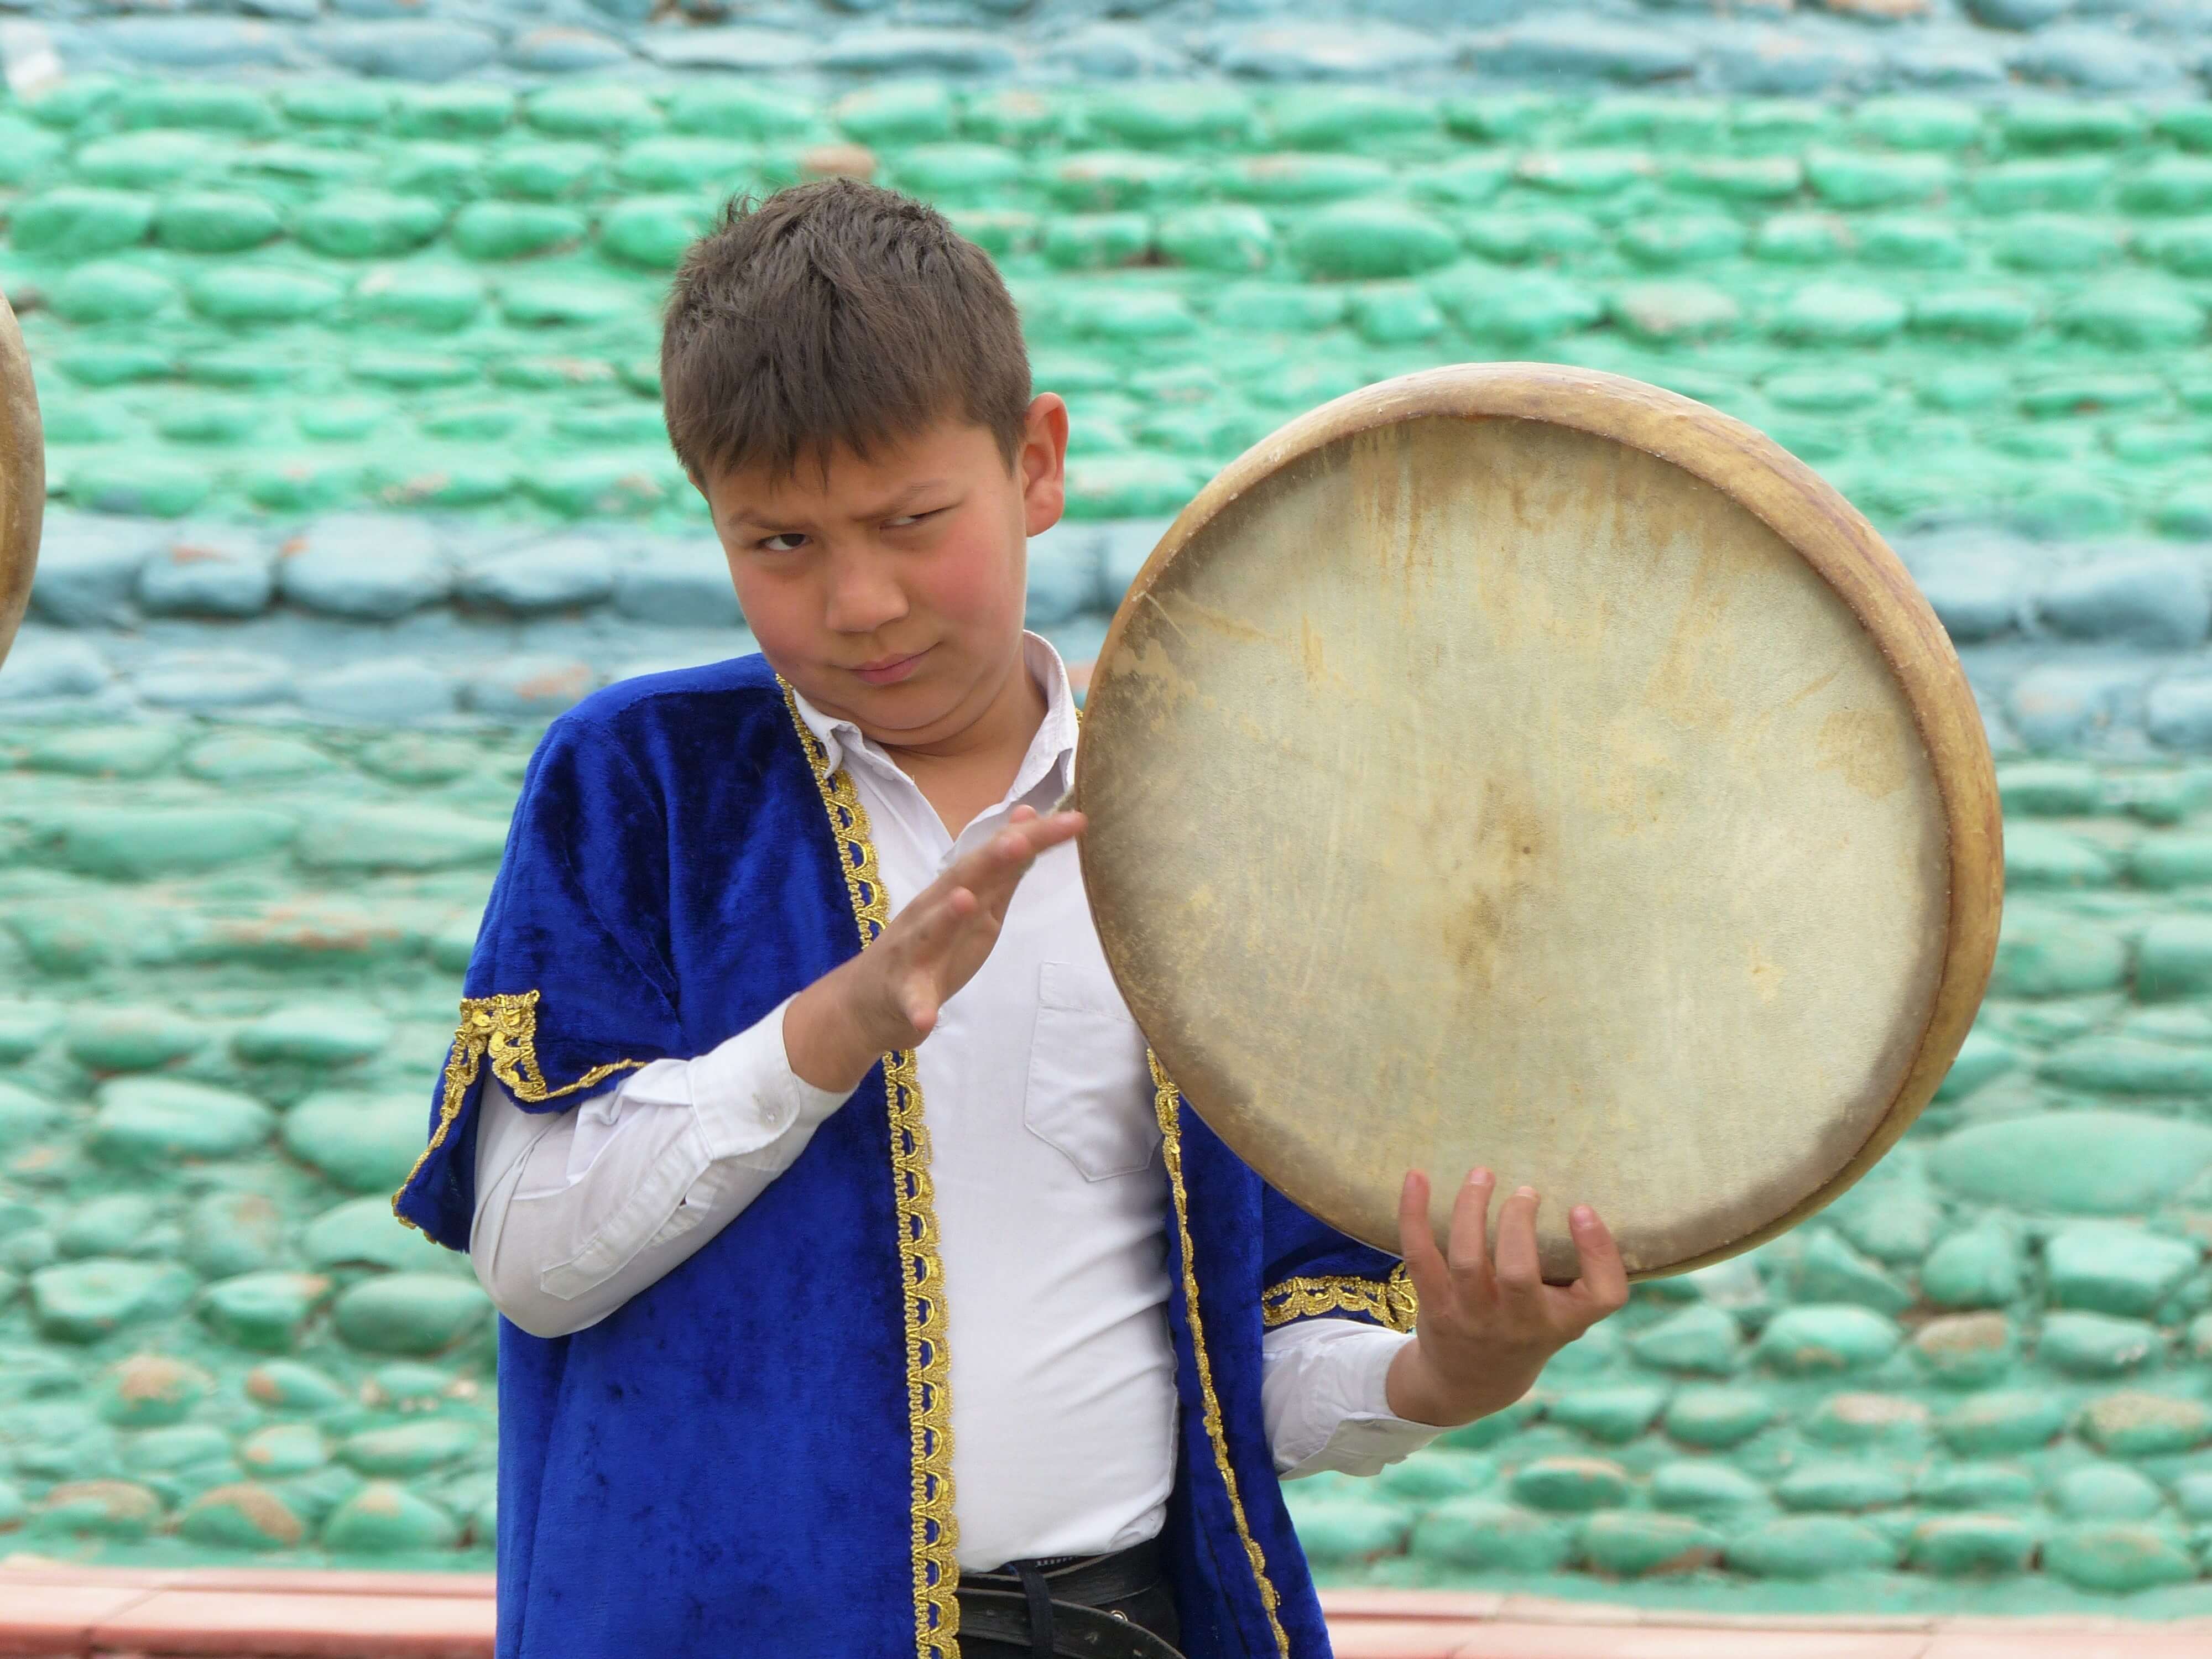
928,1361
1389,1302
1165,1097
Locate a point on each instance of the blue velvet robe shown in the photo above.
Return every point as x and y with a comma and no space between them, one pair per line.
753,1456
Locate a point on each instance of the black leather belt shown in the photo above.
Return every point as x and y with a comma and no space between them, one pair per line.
1092,1607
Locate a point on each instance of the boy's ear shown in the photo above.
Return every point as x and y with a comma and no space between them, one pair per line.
1041,463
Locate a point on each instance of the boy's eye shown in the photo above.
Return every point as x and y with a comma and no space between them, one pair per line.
790,535
906,518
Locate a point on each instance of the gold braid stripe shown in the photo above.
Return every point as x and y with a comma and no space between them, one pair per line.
928,1362
1171,1155
505,1028
1390,1302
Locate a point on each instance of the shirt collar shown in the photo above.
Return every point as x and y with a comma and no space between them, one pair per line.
1051,752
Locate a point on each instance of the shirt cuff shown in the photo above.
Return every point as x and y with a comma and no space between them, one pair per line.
747,1096
1367,1437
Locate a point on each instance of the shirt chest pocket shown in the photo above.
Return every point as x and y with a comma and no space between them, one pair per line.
1089,1093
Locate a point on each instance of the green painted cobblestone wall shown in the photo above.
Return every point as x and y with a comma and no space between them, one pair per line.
246,951
1979,1380
251,300
230,953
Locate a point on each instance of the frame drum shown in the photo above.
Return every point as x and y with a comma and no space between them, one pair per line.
22,477
1519,765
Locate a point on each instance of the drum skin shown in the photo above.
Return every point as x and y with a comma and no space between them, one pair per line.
1519,765
22,477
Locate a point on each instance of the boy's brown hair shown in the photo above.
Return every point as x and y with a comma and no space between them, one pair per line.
835,313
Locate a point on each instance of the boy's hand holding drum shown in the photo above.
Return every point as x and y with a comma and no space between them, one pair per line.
1488,1322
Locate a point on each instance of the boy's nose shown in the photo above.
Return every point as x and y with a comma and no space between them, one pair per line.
861,598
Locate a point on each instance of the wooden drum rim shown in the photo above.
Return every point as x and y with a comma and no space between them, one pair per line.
22,477
1821,527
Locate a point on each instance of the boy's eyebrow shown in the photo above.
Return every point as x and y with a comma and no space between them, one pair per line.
743,514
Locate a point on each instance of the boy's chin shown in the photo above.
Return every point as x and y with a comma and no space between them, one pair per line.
918,704
945,690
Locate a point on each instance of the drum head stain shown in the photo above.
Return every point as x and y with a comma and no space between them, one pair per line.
1862,745
1492,882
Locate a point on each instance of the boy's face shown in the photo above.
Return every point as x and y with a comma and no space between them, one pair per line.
890,591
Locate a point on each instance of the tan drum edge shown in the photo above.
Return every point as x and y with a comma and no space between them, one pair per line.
1831,536
22,477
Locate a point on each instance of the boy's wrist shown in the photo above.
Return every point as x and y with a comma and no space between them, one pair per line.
1419,1393
824,1044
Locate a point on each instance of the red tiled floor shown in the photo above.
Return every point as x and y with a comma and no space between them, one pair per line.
291,1581
2192,1640
45,1569
1401,1638
245,1622
284,1581
1352,1603
59,1619
1503,1641
63,1610
1891,1622
1548,1610
2042,1624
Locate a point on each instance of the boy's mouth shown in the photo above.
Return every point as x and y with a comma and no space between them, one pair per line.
887,670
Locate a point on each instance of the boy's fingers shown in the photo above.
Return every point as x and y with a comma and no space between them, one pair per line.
980,872
1009,855
939,922
1518,1271
1604,1282
1470,1229
1037,834
1003,859
1416,1243
974,892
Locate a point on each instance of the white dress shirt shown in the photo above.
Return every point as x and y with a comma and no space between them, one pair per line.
1051,1199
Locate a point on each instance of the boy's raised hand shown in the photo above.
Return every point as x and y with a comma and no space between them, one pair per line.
1487,1325
889,996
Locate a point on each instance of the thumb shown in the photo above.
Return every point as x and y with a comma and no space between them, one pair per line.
913,994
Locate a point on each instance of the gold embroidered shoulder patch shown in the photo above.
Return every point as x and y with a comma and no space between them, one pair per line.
502,1029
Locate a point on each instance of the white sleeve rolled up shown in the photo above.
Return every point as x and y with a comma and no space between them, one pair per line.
1324,1392
578,1211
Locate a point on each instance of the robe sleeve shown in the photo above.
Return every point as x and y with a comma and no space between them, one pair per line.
1312,1270
569,982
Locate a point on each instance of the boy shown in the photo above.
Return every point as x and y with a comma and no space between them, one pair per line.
889,1301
